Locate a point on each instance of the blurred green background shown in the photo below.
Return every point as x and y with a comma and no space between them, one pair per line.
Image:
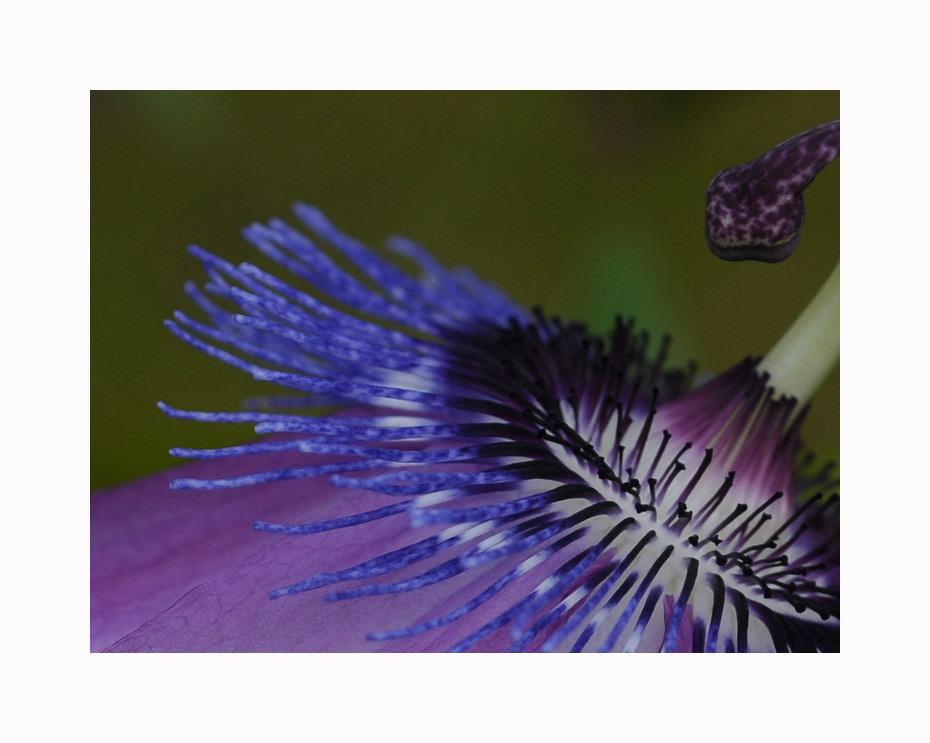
588,204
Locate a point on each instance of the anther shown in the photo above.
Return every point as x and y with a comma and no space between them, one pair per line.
755,210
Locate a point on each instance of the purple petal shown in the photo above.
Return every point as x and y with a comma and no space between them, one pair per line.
184,571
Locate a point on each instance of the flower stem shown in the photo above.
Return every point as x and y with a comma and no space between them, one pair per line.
804,356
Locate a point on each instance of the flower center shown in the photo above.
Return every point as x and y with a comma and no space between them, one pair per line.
699,481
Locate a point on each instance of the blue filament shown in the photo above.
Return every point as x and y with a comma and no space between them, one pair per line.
513,429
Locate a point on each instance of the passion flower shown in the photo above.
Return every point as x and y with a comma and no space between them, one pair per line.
501,479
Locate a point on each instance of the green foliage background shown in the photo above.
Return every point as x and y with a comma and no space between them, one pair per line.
589,204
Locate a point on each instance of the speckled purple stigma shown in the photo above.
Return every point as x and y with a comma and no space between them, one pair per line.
755,210
547,489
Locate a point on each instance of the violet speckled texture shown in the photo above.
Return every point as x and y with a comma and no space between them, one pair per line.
755,210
